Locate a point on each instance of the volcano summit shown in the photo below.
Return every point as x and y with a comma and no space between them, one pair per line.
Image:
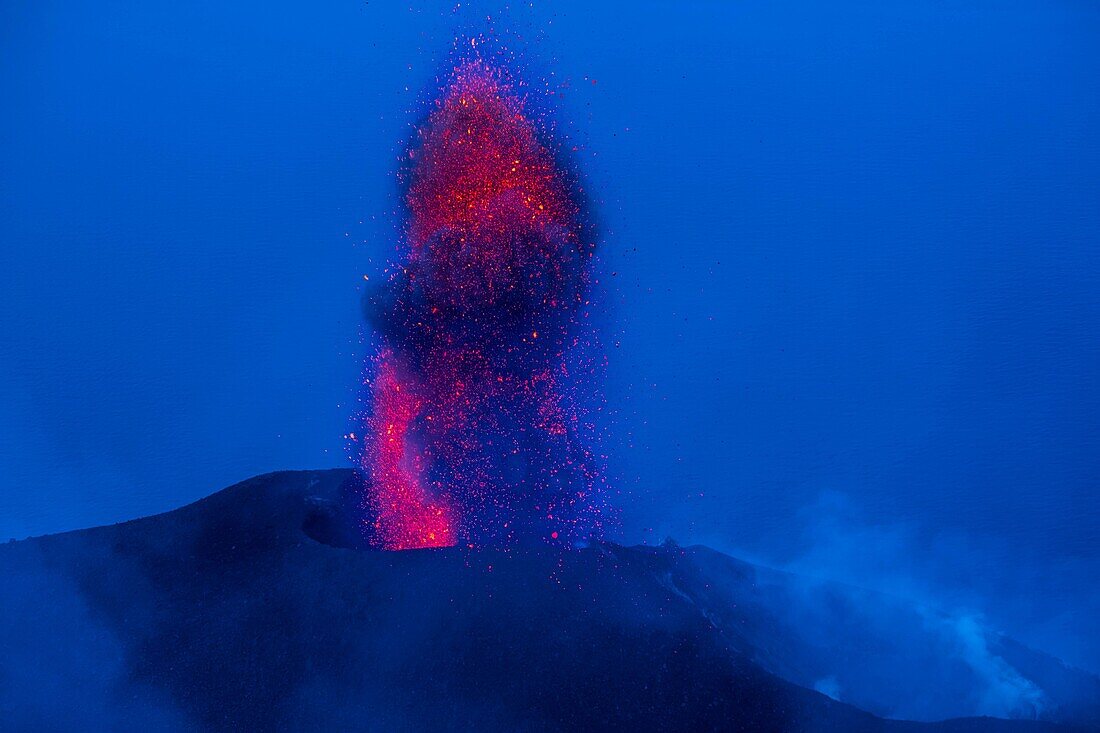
239,613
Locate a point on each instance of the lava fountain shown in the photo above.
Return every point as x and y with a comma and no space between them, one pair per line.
479,428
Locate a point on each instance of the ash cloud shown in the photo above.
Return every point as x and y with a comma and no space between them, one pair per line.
944,613
62,667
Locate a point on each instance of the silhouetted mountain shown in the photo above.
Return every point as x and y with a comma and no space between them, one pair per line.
254,609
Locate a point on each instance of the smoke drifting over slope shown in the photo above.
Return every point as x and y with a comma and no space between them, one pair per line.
479,428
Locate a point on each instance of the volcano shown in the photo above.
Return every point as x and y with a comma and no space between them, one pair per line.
258,609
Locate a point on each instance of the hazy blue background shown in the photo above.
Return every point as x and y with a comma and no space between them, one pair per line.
856,245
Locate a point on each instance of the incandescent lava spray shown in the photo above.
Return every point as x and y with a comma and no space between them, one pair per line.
479,428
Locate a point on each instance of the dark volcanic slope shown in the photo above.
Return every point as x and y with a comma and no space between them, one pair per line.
225,615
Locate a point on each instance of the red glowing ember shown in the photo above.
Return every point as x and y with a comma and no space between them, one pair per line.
478,432
480,169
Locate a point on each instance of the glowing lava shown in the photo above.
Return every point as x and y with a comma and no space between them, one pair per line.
478,431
